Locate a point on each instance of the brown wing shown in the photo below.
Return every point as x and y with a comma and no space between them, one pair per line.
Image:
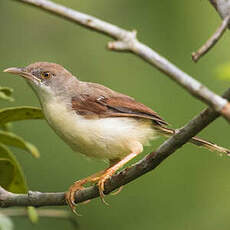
99,101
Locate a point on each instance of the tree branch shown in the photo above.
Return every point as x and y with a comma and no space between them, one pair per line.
212,40
127,41
50,213
41,213
222,7
150,162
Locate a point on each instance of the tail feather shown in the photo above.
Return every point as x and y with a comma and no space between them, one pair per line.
195,140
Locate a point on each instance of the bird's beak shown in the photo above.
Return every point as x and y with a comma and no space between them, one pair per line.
22,72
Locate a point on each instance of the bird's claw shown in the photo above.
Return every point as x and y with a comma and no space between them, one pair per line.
78,185
101,188
117,191
70,196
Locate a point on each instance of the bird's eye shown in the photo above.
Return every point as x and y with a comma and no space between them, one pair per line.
45,75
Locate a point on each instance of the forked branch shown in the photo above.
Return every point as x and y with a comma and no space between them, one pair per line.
223,9
212,40
127,41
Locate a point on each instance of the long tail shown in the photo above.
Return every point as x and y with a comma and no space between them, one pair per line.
195,140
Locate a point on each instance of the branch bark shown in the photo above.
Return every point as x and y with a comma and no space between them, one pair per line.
212,40
127,41
150,162
223,8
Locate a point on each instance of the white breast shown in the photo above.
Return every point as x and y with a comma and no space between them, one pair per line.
106,138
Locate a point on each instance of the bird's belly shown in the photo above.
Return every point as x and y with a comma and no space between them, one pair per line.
105,138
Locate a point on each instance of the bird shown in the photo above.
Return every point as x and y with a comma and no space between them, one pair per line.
95,120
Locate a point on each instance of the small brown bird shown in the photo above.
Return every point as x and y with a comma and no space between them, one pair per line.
95,120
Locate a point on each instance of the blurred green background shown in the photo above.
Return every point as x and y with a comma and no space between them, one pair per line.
190,190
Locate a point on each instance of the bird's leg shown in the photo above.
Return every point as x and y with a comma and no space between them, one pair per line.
101,176
78,185
115,166
111,163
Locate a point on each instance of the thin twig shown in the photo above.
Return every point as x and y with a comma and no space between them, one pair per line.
150,162
212,40
41,212
127,41
50,213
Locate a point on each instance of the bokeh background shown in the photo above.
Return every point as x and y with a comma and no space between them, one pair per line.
190,190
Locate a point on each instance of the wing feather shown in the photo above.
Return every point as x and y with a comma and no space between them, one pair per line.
100,101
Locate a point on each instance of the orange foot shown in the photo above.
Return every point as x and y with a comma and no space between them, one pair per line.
101,183
99,177
69,196
79,185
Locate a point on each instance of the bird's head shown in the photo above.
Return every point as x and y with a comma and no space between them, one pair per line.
44,77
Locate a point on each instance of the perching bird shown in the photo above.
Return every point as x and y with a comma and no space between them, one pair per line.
95,120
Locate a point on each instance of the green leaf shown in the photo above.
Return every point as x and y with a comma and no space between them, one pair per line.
6,172
223,71
5,93
20,113
8,91
5,223
6,126
32,214
5,97
18,183
12,139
